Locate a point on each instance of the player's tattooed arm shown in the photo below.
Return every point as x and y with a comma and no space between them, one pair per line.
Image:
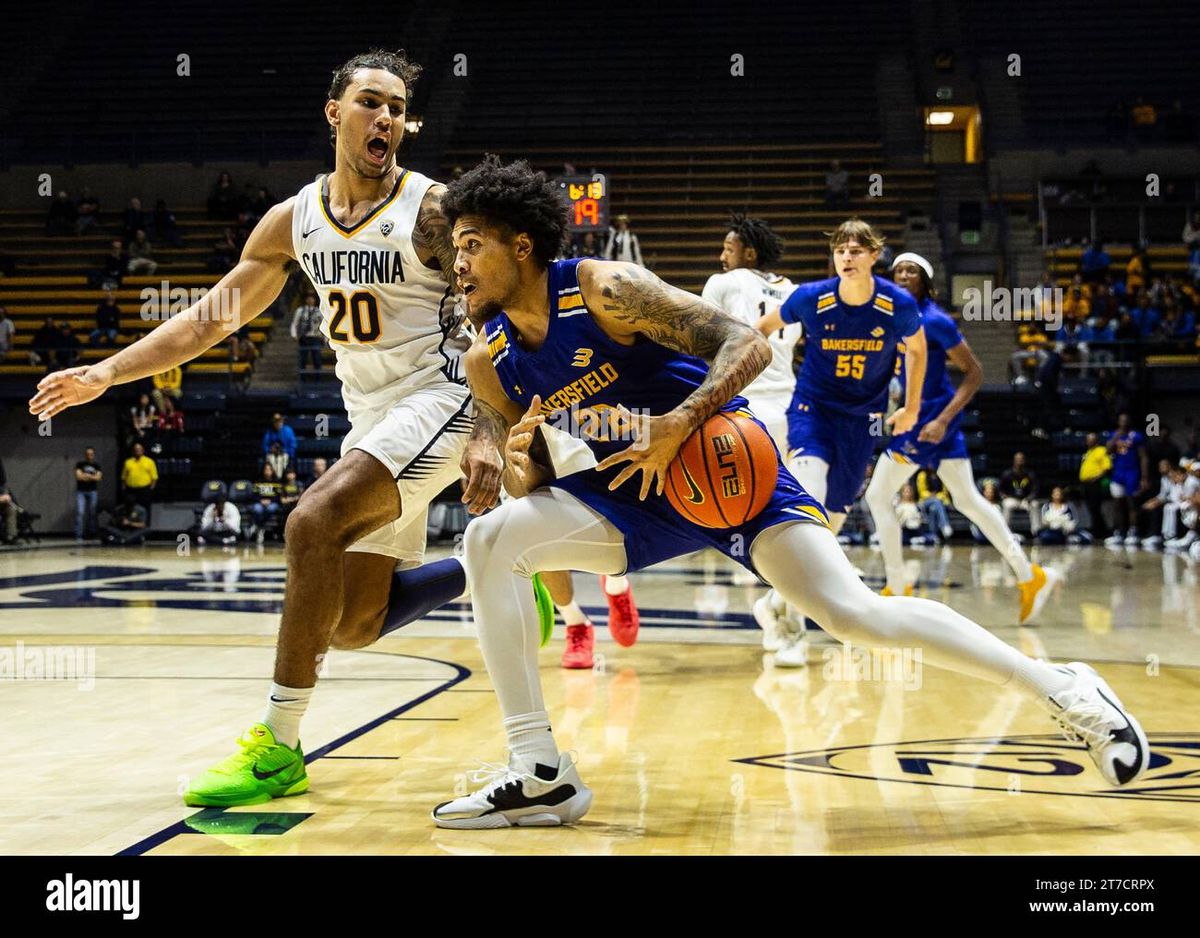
431,234
632,301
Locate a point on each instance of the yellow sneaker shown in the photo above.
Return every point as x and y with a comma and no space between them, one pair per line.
887,591
1035,592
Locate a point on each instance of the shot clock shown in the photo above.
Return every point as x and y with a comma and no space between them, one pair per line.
587,201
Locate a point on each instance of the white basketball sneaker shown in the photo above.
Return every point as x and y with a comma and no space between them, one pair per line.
513,798
769,613
793,653
1090,712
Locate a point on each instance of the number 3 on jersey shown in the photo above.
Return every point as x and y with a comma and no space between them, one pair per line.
362,310
850,366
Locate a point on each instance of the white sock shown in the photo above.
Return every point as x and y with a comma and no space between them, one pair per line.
285,708
616,585
572,614
530,741
1041,678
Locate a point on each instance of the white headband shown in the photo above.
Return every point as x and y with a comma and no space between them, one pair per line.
914,259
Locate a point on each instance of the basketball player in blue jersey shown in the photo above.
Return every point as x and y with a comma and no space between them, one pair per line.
594,337
853,324
937,441
356,539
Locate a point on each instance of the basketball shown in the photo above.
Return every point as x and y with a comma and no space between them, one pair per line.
724,474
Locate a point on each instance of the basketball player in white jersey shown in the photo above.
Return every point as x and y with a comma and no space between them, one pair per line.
372,238
747,290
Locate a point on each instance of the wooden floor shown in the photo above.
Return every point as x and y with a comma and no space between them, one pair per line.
692,741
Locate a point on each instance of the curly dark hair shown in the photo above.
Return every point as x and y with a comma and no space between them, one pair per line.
395,62
756,233
516,195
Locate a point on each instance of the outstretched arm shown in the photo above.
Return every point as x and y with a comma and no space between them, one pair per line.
237,298
629,301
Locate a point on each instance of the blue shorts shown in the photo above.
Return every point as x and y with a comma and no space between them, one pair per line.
843,440
907,448
654,531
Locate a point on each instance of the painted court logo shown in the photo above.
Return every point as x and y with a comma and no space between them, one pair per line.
1045,765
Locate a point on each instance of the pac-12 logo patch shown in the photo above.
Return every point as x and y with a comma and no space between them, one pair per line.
1043,765
385,227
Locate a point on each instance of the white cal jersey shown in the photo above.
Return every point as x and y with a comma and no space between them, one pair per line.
388,317
749,295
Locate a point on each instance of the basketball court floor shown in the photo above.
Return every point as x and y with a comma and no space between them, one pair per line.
692,741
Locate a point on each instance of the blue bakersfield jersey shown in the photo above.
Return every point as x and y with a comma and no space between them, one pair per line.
941,335
850,351
581,373
1126,458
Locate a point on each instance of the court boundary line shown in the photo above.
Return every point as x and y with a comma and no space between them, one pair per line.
160,837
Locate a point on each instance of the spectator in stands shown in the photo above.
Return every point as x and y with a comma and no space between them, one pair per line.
143,419
991,494
1137,272
277,459
266,507
127,523
282,434
1163,446
67,347
1077,303
1145,117
63,214
1018,491
290,491
1093,476
108,321
1145,316
139,476
306,330
223,201
242,347
170,417
112,266
133,219
933,500
623,244
45,340
87,212
8,510
1177,490
221,521
912,521
167,386
141,260
1178,325
1191,232
319,467
87,483
1094,263
7,331
586,246
1058,520
837,184
166,229
225,252
261,201
1130,476
1194,266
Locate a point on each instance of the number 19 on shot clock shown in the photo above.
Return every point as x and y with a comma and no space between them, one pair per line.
587,200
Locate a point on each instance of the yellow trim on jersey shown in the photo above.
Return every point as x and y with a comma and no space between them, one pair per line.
884,301
898,457
349,233
816,513
570,302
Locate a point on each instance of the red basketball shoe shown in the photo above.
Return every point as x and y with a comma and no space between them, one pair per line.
581,640
623,619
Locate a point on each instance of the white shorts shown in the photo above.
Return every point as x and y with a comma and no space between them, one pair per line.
420,439
773,411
